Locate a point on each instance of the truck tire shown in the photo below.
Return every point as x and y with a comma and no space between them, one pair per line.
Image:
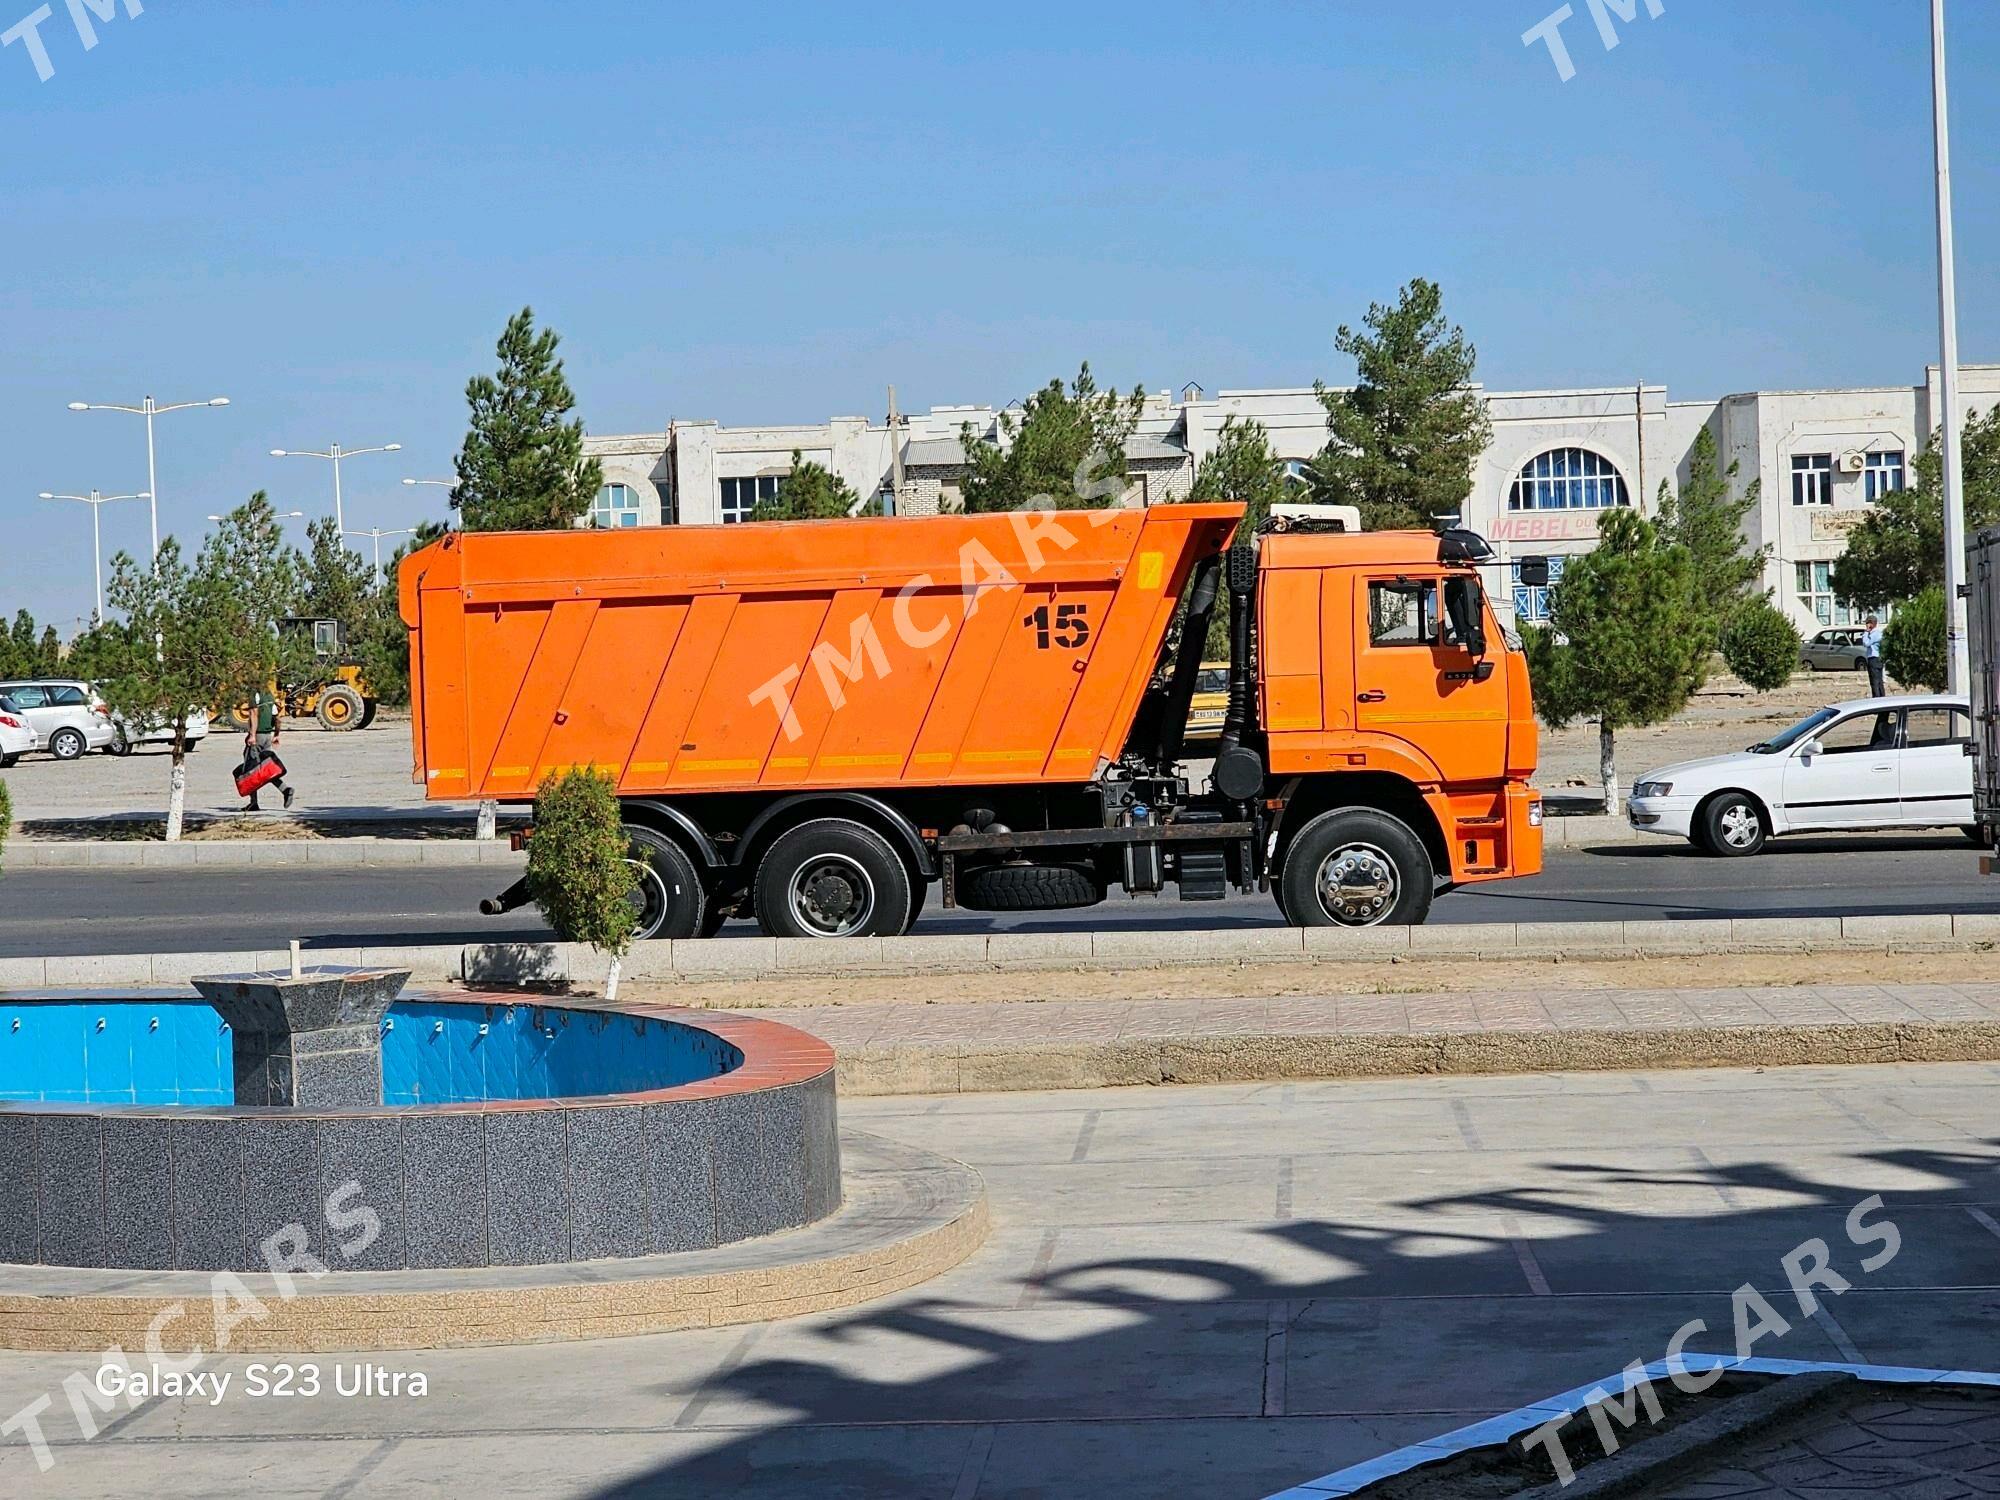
670,900
340,708
1029,888
368,708
833,878
1356,867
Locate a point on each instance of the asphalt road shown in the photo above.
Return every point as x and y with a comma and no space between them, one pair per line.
48,912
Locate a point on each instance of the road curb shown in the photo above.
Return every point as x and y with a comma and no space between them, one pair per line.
740,959
223,854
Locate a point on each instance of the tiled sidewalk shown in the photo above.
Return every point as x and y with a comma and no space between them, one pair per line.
1040,1044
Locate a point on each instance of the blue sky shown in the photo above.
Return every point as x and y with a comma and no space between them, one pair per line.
767,212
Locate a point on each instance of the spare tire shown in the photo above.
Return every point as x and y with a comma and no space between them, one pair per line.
1028,888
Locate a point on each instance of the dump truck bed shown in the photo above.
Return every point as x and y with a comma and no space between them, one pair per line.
868,652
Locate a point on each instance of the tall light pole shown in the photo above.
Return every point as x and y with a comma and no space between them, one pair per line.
378,533
335,453
1958,668
149,409
96,501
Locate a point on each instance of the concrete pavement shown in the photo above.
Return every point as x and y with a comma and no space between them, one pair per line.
1211,1292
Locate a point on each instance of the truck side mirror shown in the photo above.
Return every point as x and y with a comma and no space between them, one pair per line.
1462,606
1534,572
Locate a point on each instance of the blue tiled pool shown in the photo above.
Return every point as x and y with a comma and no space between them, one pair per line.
433,1052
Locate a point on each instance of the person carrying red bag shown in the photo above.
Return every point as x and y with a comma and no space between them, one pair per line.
258,742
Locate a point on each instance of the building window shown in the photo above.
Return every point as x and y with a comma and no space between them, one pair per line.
1568,479
1815,589
1812,479
1298,472
740,496
617,505
1884,474
1532,603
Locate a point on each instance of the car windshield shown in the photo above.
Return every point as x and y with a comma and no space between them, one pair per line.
1778,743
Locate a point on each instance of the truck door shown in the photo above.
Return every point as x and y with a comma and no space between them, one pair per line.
1416,677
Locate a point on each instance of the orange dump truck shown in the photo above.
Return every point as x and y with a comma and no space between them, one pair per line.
812,722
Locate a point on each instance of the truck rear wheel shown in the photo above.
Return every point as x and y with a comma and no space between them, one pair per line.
833,878
1356,867
669,902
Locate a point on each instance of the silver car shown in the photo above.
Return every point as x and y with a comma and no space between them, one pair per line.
67,716
1838,649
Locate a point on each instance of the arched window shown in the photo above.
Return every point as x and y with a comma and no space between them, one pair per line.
1298,473
617,505
1567,479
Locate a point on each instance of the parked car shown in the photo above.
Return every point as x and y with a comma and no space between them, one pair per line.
1897,762
67,716
124,741
16,738
1836,650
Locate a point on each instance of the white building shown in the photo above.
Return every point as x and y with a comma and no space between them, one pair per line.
1556,460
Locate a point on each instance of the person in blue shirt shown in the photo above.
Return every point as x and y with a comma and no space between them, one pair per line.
1871,643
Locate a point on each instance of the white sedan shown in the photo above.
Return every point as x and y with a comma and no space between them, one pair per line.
16,738
1902,762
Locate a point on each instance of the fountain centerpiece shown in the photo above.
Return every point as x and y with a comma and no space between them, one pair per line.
308,1039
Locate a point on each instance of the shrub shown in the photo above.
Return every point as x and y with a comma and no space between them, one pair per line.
579,870
6,815
1913,645
1761,645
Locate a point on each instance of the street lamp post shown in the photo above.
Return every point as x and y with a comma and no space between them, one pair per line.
149,409
335,453
95,500
378,533
1958,671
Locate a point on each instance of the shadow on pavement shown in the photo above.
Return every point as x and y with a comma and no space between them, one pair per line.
1199,1375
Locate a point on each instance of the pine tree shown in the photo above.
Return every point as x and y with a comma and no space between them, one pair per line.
1402,443
1627,640
1760,643
522,467
1707,520
1067,451
811,492
1897,551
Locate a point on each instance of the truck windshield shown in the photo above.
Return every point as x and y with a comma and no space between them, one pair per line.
1778,743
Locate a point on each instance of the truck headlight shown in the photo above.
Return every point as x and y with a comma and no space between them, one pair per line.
1653,789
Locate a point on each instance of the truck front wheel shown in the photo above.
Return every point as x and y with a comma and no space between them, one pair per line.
833,878
1355,867
669,901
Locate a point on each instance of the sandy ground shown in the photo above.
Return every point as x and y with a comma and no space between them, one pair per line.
1724,716
1413,976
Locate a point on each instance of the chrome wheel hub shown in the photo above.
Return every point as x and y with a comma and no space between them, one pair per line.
832,896
1739,826
1357,885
